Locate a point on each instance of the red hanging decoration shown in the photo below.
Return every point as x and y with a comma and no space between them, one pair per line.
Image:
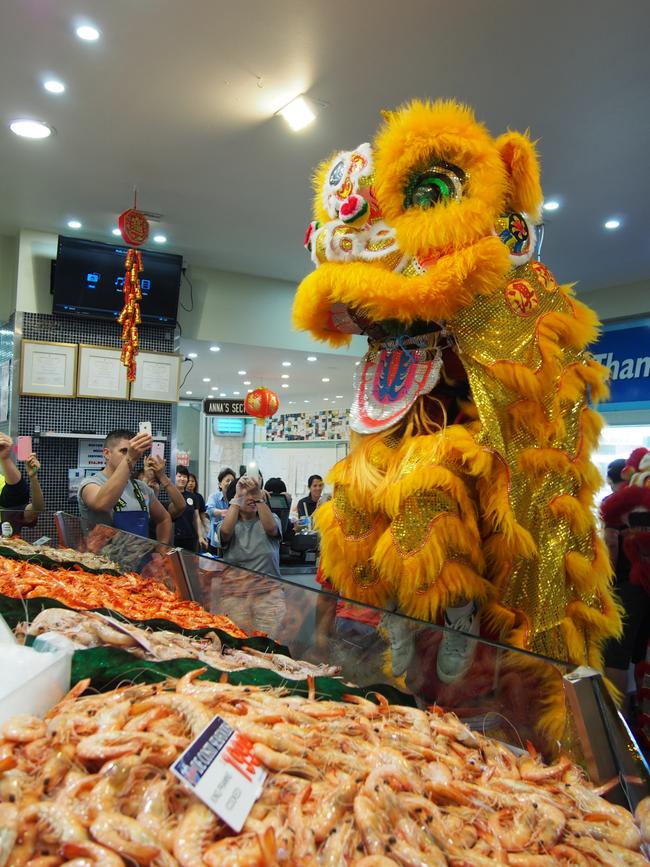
134,227
129,318
261,403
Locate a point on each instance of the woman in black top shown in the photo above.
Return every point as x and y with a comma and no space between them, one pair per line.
307,506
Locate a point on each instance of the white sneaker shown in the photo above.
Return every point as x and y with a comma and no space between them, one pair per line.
456,650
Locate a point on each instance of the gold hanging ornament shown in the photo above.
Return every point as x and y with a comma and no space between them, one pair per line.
135,231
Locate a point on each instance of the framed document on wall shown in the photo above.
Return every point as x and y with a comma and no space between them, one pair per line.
48,369
156,377
100,373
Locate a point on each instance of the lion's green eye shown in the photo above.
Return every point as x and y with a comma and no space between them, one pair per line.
442,182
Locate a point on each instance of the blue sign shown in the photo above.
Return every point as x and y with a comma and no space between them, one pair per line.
624,347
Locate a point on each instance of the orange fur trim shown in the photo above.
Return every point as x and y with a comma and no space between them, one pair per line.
518,153
570,508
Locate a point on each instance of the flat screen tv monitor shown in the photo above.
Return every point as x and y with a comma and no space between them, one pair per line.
88,280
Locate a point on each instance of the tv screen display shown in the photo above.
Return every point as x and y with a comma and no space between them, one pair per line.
88,280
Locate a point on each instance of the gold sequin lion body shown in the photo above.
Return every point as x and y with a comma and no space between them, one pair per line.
469,474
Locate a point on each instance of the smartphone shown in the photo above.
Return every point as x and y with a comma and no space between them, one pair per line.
23,448
252,471
158,450
145,427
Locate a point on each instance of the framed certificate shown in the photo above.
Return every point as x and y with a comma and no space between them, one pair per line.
156,378
100,373
48,369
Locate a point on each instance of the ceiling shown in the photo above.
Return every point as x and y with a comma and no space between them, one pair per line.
178,99
305,389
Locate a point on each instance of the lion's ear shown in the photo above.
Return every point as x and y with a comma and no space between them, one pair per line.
520,159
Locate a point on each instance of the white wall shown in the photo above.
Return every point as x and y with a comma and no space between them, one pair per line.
235,308
619,302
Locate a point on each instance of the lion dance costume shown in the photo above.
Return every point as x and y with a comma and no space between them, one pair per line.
469,476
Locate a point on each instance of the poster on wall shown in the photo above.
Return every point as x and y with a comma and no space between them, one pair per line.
328,424
91,454
48,369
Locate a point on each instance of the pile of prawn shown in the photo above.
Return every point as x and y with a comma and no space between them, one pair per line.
60,555
352,782
128,594
85,629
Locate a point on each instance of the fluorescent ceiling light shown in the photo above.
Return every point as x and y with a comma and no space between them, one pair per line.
160,239
285,376
286,364
206,379
222,394
236,392
87,32
215,349
311,358
241,372
74,224
31,128
54,86
325,379
297,113
247,382
612,224
188,392
192,355
285,385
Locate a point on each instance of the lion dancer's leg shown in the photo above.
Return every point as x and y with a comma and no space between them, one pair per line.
353,521
431,555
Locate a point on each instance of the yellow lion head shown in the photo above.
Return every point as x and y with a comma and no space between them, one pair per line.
434,212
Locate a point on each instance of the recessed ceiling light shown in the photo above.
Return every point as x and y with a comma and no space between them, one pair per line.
612,224
188,392
247,382
285,385
339,396
214,387
357,363
326,398
285,376
222,394
159,239
54,86
325,379
206,379
116,232
192,355
236,392
215,349
241,372
298,114
74,224
291,401
87,32
31,128
286,364
551,205
311,358
305,401
249,391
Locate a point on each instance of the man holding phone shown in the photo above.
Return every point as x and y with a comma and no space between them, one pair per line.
113,497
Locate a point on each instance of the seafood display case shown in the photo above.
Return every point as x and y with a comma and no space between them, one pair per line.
512,696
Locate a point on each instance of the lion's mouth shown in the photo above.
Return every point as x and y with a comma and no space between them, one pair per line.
400,369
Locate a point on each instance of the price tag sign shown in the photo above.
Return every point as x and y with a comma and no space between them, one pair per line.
222,770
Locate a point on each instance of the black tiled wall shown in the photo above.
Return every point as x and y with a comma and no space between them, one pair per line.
57,455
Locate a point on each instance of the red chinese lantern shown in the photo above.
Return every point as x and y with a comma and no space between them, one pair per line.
261,403
135,231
